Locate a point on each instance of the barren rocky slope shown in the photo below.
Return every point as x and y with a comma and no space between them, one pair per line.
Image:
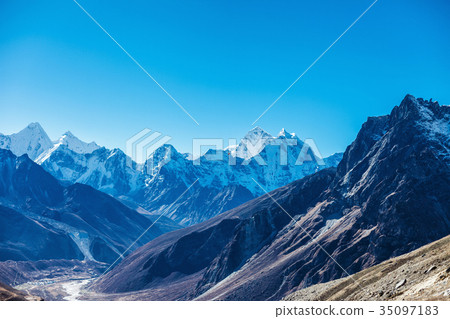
423,274
8,293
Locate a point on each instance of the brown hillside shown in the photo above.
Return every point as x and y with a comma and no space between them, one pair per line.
423,274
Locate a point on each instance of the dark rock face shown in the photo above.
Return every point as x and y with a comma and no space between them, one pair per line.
371,131
389,195
40,219
22,238
21,178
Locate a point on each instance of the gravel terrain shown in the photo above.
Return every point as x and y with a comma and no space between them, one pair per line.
423,274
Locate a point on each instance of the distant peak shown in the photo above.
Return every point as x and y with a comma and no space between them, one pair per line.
166,148
32,140
413,108
286,134
69,137
35,126
34,129
75,144
257,138
418,101
68,134
410,100
258,131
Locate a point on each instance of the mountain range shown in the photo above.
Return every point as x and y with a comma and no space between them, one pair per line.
219,187
389,195
261,229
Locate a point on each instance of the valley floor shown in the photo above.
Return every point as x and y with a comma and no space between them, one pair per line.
65,288
47,279
423,274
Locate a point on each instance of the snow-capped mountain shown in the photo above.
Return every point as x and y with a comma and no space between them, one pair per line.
222,184
104,169
252,143
32,141
72,143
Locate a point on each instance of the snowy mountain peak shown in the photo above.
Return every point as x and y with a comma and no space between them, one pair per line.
69,142
75,144
252,143
35,126
256,141
257,133
68,134
32,140
32,129
285,134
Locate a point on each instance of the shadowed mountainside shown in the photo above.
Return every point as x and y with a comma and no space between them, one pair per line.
41,219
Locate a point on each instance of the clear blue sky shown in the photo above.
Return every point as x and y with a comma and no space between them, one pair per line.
224,61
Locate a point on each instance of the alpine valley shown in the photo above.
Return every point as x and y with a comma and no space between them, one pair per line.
79,221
